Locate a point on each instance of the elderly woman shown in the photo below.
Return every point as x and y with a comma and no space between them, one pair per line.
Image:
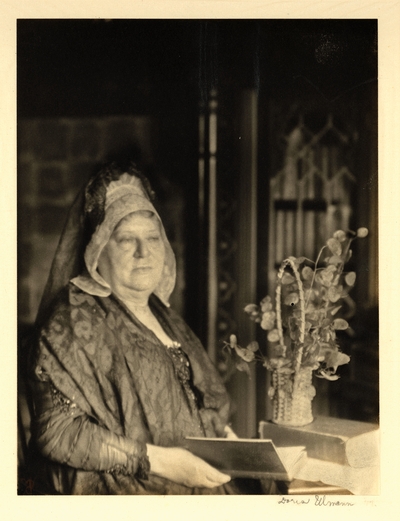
119,379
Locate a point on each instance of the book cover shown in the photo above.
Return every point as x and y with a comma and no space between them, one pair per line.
248,458
346,442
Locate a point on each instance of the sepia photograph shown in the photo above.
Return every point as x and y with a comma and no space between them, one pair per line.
197,250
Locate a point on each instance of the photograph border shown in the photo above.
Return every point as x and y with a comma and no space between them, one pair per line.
388,16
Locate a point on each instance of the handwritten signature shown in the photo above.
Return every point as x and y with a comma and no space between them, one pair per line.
319,501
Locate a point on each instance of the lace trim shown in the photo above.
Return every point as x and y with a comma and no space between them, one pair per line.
60,401
183,372
173,344
140,470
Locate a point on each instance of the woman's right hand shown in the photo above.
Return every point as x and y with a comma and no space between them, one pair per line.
183,467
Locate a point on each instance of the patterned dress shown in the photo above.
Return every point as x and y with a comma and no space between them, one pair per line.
104,385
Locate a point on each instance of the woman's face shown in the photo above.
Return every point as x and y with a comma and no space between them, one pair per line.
133,258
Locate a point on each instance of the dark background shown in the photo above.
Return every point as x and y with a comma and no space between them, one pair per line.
79,73
165,69
96,67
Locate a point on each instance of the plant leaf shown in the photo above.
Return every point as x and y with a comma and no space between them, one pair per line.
268,320
273,335
362,232
331,269
253,346
327,275
307,273
242,366
266,304
287,278
327,376
335,246
340,235
350,278
244,354
251,308
335,259
335,310
292,299
333,358
342,359
340,323
334,293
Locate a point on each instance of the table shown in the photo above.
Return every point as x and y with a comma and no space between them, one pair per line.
342,455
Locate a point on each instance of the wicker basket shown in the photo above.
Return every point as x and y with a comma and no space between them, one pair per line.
292,397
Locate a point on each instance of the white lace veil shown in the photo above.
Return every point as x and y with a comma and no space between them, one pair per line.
78,252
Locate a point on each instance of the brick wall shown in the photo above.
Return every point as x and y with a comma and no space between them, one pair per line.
55,158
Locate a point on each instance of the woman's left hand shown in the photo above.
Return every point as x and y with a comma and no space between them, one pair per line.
183,467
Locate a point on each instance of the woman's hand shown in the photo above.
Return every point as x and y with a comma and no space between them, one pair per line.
183,467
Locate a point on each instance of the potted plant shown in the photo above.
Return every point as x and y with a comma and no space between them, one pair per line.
302,327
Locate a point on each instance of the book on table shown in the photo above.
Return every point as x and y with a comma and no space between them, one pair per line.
335,440
248,458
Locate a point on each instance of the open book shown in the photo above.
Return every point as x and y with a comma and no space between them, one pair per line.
247,457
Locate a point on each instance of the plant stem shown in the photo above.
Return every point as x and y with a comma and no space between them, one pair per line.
291,263
314,273
303,315
344,255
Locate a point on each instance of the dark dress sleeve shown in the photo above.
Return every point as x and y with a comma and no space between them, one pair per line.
67,435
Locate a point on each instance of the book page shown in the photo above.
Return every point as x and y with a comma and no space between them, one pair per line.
290,456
